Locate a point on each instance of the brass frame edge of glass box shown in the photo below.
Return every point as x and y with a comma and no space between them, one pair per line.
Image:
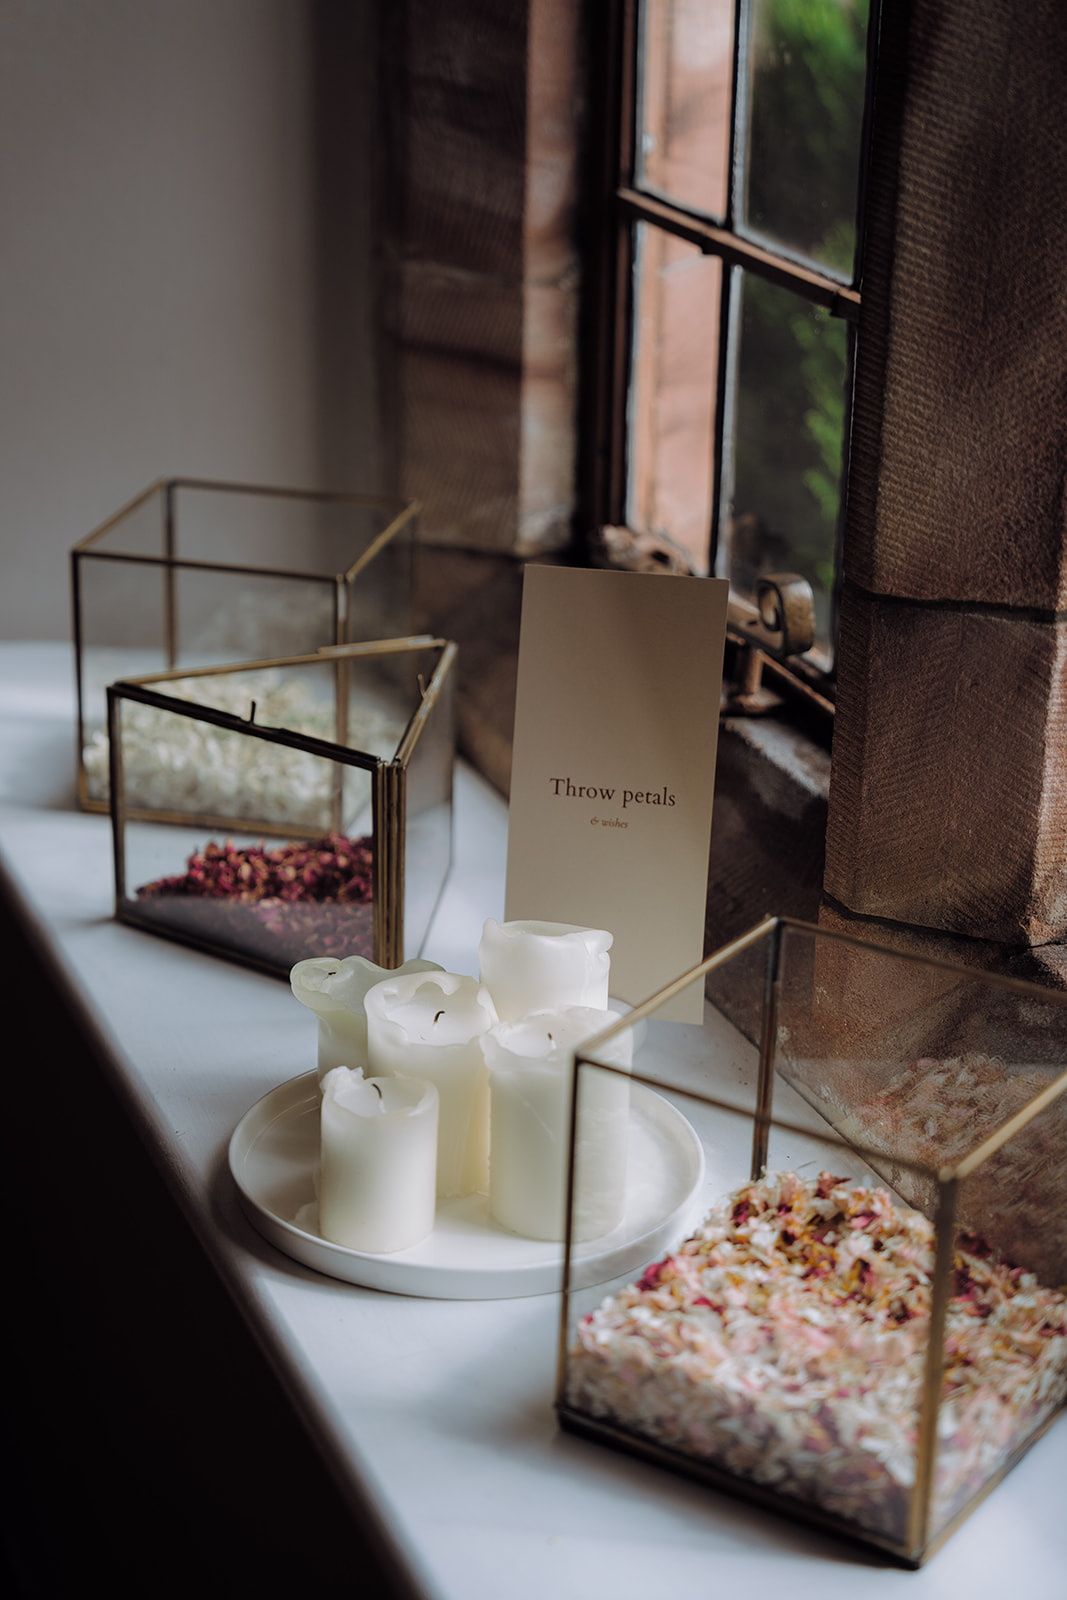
917,1545
388,786
405,513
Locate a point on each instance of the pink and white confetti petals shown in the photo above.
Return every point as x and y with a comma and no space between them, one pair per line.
933,1112
785,1342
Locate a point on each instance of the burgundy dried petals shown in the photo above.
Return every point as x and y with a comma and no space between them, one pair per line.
330,868
280,903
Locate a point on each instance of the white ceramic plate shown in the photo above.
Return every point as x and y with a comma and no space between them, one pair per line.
274,1153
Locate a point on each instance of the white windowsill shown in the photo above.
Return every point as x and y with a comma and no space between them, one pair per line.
440,1411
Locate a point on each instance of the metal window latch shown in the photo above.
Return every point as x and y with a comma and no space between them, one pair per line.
746,695
786,604
784,626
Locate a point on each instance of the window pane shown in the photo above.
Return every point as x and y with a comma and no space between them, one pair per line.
807,64
792,373
686,75
672,395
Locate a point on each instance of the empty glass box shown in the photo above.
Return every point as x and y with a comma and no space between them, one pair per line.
195,573
277,810
863,1322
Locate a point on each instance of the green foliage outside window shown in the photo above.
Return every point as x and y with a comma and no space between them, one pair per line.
806,95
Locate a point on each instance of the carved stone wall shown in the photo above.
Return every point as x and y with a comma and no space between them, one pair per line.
948,800
479,267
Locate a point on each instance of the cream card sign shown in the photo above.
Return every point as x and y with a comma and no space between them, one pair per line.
616,726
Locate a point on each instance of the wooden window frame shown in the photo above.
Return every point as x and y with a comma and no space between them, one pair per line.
618,204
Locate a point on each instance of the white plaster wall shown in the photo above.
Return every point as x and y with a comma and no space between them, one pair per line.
157,265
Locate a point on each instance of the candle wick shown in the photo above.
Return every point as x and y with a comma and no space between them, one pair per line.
551,1040
377,1090
439,1015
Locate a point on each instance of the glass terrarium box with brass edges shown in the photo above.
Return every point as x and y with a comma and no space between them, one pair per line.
194,573
278,810
863,1321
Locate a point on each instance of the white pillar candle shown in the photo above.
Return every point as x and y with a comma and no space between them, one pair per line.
429,1025
379,1161
335,990
528,966
531,1066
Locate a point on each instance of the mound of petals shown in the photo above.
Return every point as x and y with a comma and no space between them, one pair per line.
786,1339
278,904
